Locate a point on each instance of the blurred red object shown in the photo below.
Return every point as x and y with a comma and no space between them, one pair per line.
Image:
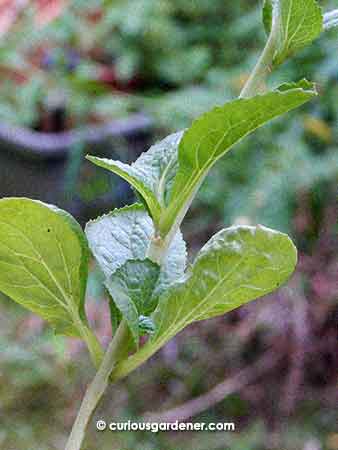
48,10
9,10
45,12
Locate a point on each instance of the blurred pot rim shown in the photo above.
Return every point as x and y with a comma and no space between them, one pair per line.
57,145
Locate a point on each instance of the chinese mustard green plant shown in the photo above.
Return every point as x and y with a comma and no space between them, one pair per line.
44,252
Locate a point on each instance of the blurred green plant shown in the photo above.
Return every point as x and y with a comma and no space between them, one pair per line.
96,64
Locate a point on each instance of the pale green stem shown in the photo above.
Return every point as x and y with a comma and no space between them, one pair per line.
256,83
157,249
94,347
116,350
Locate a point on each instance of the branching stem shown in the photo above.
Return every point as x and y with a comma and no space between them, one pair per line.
158,246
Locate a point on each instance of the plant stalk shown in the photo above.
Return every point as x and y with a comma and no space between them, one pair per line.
256,83
94,347
157,249
116,350
156,252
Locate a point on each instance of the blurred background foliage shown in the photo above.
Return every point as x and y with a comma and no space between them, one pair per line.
71,64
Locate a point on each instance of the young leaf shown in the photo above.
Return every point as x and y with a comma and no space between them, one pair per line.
294,24
124,235
44,264
151,174
215,132
131,287
236,266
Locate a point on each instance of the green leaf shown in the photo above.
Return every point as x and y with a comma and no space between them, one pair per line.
236,266
294,24
124,235
119,236
131,287
44,264
151,174
215,132
43,261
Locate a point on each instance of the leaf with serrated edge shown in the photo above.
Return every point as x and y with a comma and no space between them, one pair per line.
123,235
44,261
236,266
131,287
215,132
151,174
293,23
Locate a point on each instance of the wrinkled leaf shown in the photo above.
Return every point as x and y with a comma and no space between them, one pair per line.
215,132
294,23
151,174
131,287
124,235
119,236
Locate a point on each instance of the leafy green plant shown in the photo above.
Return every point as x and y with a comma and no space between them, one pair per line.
140,249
